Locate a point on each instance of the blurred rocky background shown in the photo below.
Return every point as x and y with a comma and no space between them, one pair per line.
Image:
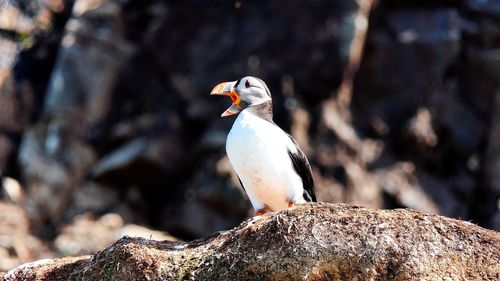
107,127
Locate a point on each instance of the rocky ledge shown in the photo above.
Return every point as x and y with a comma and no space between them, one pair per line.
307,242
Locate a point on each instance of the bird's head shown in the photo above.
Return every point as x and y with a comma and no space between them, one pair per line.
245,92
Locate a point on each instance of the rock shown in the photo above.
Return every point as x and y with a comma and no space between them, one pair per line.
133,230
401,182
12,119
492,167
9,102
419,132
17,245
493,152
24,271
247,32
367,150
92,198
451,194
8,56
361,186
344,155
86,235
415,48
22,79
301,121
53,169
11,190
122,122
14,20
484,8
144,160
211,200
310,242
6,148
482,90
88,47
495,221
54,157
463,130
479,80
327,189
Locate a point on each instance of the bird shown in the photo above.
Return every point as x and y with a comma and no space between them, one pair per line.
271,167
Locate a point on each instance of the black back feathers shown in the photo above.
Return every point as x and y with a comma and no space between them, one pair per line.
303,169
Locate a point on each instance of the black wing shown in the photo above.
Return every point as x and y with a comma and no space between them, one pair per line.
302,167
242,184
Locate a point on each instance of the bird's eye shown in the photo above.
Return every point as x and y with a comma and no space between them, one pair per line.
247,84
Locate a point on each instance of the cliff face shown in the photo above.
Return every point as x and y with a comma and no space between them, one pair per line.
106,121
306,242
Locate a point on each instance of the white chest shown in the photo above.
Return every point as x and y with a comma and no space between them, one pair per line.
258,151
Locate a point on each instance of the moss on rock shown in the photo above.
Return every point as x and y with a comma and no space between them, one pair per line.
307,242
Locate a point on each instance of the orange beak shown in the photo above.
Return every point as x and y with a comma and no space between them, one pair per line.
227,89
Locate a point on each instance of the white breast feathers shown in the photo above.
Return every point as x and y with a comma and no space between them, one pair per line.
258,151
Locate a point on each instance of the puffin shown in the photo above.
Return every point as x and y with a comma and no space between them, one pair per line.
271,167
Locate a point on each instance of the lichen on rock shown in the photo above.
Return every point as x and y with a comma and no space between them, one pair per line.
307,242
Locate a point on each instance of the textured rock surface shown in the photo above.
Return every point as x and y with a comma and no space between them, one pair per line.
308,242
74,101
86,235
17,245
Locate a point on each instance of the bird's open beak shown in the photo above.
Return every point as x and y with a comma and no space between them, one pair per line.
227,89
